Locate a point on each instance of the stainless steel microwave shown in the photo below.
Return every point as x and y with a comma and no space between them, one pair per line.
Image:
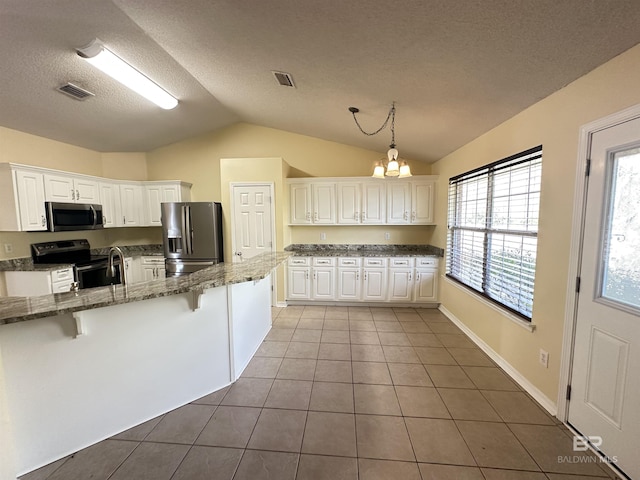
63,217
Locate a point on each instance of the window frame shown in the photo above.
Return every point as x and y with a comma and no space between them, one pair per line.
456,243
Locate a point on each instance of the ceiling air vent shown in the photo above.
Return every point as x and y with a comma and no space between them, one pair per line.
284,79
75,91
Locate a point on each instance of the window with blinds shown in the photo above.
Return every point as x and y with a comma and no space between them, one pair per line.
493,229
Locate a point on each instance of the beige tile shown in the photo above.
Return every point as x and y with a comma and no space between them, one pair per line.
262,367
494,446
317,467
473,357
275,311
438,441
332,397
447,328
408,316
43,473
279,430
297,369
435,356
466,404
334,351
182,425
421,402
333,371
387,470
382,437
335,336
399,339
248,392
360,315
449,376
567,476
456,341
490,378
139,432
517,407
213,398
494,474
311,323
336,324
302,350
371,372
424,340
285,322
367,353
376,399
229,427
279,335
382,326
272,349
301,335
293,311
383,314
394,354
314,312
98,461
415,327
365,338
445,472
548,443
291,394
330,434
151,461
203,463
361,325
432,315
409,374
336,313
259,465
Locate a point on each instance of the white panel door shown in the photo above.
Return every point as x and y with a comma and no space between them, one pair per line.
349,209
374,286
349,284
110,201
374,203
300,203
426,286
252,221
59,188
324,203
400,285
87,190
324,283
153,198
605,385
132,205
299,283
398,202
30,188
422,196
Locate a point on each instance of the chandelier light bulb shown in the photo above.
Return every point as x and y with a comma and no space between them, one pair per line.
405,171
393,170
378,171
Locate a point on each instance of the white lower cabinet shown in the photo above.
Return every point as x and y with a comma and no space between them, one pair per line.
357,279
33,283
151,268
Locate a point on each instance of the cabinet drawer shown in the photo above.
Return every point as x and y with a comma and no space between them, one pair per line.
299,260
349,262
156,260
427,262
61,287
64,275
401,262
324,261
375,262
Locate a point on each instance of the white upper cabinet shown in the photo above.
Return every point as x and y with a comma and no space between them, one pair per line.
411,202
300,203
349,203
422,197
398,203
70,189
111,204
312,203
374,203
156,193
132,204
21,199
362,202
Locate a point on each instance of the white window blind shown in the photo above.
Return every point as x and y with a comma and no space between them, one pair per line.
493,229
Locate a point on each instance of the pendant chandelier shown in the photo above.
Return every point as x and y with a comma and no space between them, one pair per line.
394,167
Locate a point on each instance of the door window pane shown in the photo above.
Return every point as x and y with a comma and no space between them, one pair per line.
621,256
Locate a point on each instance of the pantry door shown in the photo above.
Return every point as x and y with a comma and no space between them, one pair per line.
605,385
252,221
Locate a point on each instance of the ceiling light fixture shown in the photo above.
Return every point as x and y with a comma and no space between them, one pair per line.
394,167
104,59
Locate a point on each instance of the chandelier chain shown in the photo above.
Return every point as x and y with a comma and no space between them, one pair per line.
391,115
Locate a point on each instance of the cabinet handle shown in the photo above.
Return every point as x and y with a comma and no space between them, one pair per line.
418,277
357,276
365,276
315,216
314,275
308,216
73,194
306,275
409,277
44,221
405,216
77,194
413,216
364,215
124,220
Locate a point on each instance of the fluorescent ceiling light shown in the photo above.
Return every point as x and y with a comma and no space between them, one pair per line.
104,59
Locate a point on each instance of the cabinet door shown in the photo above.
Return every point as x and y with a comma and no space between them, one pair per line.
324,284
87,190
422,198
30,190
299,283
426,286
324,203
349,284
300,203
349,203
398,202
131,199
59,188
110,200
374,203
153,198
171,193
400,285
374,287
148,273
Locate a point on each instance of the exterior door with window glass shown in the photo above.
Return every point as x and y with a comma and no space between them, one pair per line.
605,381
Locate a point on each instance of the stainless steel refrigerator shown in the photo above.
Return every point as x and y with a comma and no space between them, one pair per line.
192,236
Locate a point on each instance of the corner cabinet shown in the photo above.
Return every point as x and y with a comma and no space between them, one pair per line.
21,199
362,201
156,193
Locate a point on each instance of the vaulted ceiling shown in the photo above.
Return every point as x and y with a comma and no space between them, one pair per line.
455,68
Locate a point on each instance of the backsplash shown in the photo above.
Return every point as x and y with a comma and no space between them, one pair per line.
423,249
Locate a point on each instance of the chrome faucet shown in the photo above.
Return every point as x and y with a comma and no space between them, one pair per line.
111,269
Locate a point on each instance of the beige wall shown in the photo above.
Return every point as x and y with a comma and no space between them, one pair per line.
553,122
124,166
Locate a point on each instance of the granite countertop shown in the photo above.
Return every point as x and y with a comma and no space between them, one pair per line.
19,309
364,250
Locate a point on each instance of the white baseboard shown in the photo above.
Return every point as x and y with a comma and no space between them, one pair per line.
520,379
280,304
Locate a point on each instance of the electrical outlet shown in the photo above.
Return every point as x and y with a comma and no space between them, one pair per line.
323,236
387,236
544,358
8,248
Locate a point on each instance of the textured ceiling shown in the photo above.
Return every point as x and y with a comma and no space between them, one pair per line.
455,68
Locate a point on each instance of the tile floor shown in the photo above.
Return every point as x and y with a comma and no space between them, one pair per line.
348,393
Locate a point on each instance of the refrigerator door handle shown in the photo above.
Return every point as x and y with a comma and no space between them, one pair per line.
189,232
185,241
